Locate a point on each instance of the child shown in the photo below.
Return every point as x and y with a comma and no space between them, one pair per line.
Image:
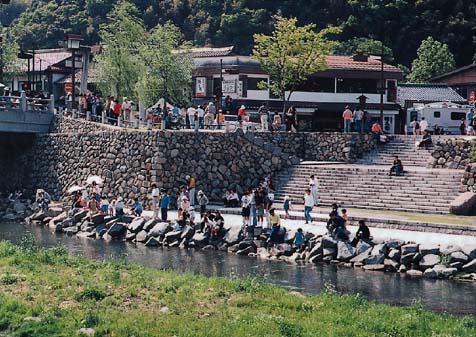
286,206
137,208
104,206
345,217
112,207
298,239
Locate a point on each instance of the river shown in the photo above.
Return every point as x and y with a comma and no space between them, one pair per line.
390,288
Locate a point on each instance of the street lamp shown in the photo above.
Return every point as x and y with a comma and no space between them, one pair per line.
73,42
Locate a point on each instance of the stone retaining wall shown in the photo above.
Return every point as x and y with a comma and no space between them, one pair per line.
322,146
130,161
457,154
62,124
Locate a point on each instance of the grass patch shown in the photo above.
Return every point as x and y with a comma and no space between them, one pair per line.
122,300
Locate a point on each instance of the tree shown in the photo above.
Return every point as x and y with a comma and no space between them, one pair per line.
433,58
365,46
142,64
166,67
291,54
8,55
118,66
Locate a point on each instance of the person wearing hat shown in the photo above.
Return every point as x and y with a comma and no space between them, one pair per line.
164,203
185,204
202,201
191,189
347,116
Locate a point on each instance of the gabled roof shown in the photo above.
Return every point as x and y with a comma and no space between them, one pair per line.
206,52
427,93
47,58
459,70
348,63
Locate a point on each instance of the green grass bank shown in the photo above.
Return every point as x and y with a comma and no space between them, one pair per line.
46,293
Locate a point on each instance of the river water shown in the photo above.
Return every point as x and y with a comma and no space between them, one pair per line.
390,288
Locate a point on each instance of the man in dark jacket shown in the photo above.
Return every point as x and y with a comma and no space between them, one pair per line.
397,167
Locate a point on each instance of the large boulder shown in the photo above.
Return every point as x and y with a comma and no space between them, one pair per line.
409,248
459,257
469,267
173,236
149,224
394,254
407,258
464,204
329,242
233,235
379,249
414,273
159,229
374,267
79,215
187,233
375,259
200,239
469,250
316,249
97,219
395,244
362,246
19,206
429,261
116,230
142,236
345,251
152,242
450,249
361,257
430,273
426,249
136,225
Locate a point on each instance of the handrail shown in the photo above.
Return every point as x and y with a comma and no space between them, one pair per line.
27,104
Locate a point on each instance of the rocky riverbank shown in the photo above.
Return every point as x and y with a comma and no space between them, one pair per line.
392,256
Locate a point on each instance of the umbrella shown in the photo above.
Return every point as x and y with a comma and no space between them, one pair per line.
97,179
75,188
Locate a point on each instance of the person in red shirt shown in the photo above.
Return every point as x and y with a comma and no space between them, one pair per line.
241,114
347,116
378,133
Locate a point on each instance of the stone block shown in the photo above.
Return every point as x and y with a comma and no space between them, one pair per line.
464,204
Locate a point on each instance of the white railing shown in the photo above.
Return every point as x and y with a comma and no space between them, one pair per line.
24,104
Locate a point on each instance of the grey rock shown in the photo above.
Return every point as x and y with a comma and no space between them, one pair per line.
374,267
136,225
391,265
470,251
317,249
232,236
97,219
152,242
430,273
409,248
149,224
173,236
394,254
187,233
414,273
329,242
448,250
326,252
379,249
200,239
375,259
361,257
406,259
117,230
159,229
470,267
459,257
394,244
345,251
429,261
130,236
361,247
447,272
142,236
429,249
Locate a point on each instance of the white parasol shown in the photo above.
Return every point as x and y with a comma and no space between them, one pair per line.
75,189
97,179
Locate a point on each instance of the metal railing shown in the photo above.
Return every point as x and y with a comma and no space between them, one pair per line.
24,104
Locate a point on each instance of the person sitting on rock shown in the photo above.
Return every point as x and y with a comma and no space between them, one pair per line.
397,167
425,140
120,207
137,208
334,222
363,233
225,198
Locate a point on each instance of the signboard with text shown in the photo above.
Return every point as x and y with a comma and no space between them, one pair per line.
201,87
228,86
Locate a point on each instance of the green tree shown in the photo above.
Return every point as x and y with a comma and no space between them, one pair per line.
166,67
291,54
118,66
8,54
365,46
433,58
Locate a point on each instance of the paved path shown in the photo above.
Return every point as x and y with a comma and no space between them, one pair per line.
319,228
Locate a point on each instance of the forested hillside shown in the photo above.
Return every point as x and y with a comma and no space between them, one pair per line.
403,24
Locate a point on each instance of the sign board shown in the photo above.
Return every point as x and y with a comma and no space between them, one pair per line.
68,87
228,86
201,87
239,89
472,96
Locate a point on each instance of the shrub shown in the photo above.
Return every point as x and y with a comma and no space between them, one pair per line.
90,294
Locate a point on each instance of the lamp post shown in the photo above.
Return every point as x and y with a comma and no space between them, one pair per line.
73,44
26,56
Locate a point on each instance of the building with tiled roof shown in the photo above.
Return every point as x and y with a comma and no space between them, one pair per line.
462,80
411,93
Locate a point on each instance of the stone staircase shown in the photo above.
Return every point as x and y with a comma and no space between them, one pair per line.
369,187
401,146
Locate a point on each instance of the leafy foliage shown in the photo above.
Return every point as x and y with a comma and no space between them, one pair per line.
401,24
434,58
292,53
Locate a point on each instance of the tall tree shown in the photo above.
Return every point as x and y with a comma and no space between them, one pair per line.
291,54
434,58
8,55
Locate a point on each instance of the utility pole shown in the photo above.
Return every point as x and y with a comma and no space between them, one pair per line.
221,84
382,84
1,58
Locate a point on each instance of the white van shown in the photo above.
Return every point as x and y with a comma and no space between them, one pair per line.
446,115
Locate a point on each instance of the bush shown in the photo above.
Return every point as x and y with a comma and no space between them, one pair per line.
90,294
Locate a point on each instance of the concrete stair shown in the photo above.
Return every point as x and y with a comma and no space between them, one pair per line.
404,148
369,187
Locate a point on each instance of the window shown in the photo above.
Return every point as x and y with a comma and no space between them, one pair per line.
457,116
437,114
413,115
253,82
391,91
317,84
355,85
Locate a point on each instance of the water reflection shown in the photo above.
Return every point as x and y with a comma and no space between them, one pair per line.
437,295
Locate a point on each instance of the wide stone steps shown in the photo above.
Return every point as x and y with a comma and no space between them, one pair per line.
370,187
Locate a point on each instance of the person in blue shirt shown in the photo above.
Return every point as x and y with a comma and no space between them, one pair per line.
298,240
164,204
470,115
137,208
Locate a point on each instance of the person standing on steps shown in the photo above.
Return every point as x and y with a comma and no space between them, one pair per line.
424,125
347,116
314,187
308,205
191,189
358,116
264,115
415,127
